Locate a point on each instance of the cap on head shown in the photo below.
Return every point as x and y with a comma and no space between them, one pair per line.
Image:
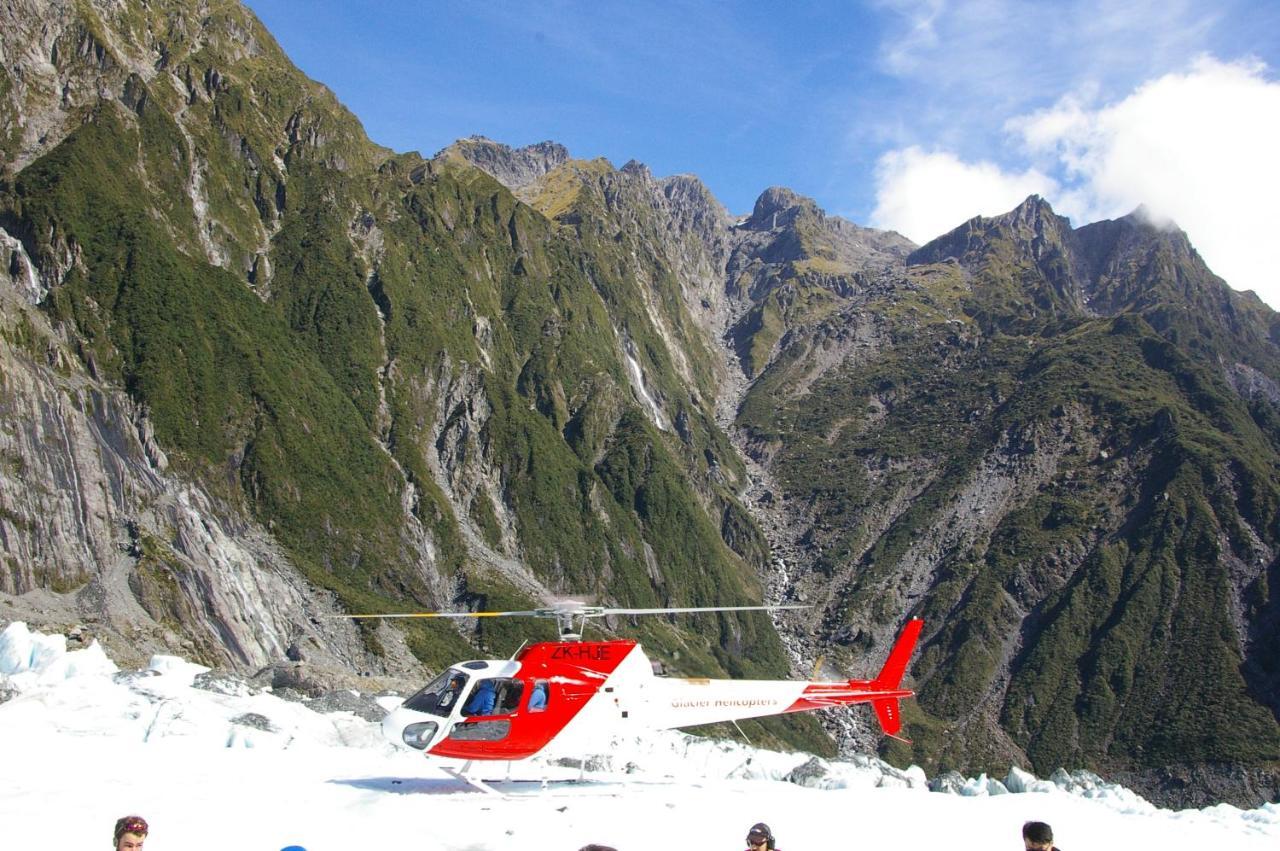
136,825
760,829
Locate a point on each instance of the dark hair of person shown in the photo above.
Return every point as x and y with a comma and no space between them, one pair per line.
1037,832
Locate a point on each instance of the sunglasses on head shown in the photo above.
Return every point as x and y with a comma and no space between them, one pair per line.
756,839
136,825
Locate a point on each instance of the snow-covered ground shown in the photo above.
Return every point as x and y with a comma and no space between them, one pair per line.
211,765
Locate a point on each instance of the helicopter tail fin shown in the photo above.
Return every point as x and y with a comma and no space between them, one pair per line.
895,666
889,714
889,709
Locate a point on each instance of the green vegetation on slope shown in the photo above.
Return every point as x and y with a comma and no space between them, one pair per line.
415,314
232,394
1096,603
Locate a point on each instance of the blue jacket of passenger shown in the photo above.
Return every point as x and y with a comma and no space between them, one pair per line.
481,702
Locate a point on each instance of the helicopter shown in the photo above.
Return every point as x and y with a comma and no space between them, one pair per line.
574,694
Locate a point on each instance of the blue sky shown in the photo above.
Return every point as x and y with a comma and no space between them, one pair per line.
894,113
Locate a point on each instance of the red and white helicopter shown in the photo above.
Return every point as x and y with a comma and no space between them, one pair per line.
578,694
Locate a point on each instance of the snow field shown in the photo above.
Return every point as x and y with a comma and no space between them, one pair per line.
82,743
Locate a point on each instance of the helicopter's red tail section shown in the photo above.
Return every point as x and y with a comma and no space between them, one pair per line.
889,709
889,714
895,666
883,693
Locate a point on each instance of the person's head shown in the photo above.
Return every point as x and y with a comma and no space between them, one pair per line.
130,833
1037,836
759,836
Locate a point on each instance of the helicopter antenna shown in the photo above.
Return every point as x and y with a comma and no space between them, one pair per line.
571,615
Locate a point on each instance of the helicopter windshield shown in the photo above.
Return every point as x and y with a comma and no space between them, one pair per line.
440,695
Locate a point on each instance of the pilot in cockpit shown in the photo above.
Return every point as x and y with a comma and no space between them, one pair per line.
451,691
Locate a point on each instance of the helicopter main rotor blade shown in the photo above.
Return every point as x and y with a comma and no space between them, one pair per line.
564,611
686,609
442,615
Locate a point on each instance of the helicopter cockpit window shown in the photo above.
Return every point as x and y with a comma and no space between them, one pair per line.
509,697
494,696
492,730
440,695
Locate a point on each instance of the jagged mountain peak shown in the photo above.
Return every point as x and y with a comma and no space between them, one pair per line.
1138,263
1034,217
777,207
1033,205
1142,262
1144,215
1141,228
688,193
1033,226
1152,225
637,168
1032,229
688,184
804,229
514,168
1028,219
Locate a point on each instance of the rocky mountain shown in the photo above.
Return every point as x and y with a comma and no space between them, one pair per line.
1040,439
257,370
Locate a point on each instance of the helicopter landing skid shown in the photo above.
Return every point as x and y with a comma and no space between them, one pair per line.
510,789
474,782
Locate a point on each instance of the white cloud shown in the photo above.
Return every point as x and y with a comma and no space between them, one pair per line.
1197,147
925,194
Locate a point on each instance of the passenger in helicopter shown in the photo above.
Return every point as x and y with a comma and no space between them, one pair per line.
509,691
538,699
482,699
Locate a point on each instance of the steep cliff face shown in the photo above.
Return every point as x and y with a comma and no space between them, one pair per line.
99,530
